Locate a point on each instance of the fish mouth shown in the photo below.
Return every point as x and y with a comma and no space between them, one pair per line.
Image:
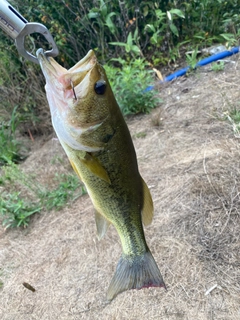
48,65
55,73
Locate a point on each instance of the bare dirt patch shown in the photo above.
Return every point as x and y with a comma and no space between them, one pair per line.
191,163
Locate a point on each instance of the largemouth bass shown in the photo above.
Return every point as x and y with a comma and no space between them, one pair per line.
96,139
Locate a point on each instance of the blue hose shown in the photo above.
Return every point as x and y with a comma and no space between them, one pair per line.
182,72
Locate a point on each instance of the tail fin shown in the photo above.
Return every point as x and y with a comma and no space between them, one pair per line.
135,273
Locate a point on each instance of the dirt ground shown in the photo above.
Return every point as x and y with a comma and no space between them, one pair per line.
189,157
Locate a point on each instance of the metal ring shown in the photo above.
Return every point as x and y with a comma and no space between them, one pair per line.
32,27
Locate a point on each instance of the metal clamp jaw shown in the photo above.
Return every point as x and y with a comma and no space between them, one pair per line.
17,27
32,27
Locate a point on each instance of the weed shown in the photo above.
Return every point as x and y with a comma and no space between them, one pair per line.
101,19
15,176
234,118
163,24
128,84
65,191
16,211
192,59
9,146
230,38
141,134
217,66
235,115
131,46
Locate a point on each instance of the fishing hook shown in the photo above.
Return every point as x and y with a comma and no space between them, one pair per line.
72,85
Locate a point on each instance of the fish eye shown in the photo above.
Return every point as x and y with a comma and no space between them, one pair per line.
100,87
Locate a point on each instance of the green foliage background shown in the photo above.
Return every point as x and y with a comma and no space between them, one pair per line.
78,26
154,30
151,29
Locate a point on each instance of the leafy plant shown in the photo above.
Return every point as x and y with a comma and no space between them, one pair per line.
235,115
234,118
16,211
217,66
9,146
131,46
163,23
12,175
102,19
65,191
141,134
14,207
192,59
129,83
230,38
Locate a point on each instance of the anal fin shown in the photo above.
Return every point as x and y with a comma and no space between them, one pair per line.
102,225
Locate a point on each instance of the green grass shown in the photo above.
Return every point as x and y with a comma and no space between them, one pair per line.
141,134
218,66
235,115
16,211
191,59
17,207
66,190
9,146
234,118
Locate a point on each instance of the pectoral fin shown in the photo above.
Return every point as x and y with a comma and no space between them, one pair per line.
147,210
75,168
102,225
94,165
